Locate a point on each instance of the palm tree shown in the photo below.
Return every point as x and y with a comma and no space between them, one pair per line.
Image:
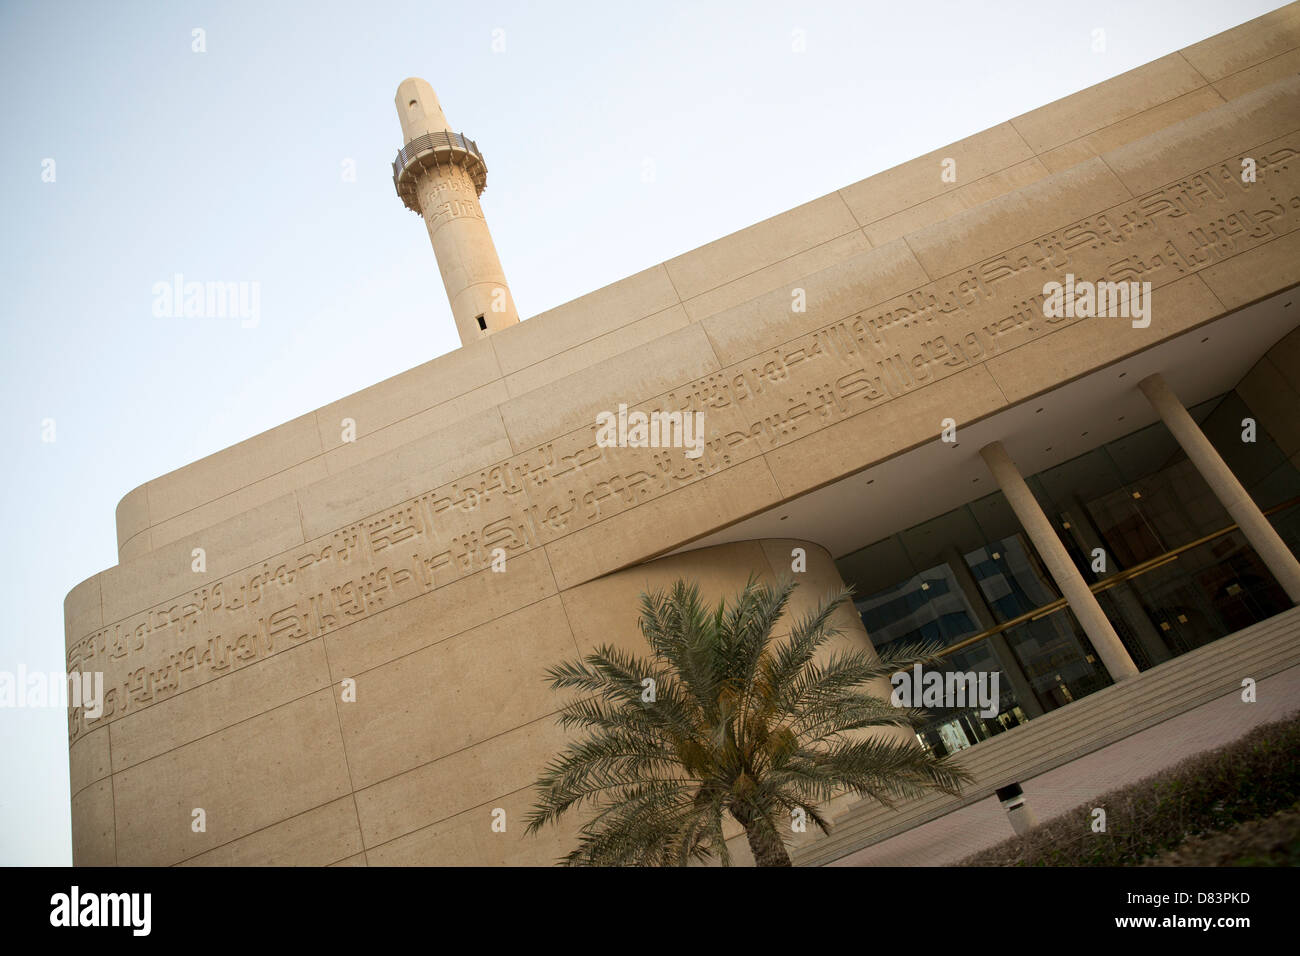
723,718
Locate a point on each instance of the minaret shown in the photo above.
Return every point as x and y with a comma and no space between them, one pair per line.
440,175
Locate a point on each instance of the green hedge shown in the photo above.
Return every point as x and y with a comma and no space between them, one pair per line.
1248,779
1272,841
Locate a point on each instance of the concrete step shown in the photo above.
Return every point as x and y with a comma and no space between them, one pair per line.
1122,709
1079,728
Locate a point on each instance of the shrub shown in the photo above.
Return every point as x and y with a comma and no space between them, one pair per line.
1249,779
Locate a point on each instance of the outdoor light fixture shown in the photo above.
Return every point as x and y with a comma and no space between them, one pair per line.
1019,812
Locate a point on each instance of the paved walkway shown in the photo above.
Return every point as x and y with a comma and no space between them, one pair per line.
972,828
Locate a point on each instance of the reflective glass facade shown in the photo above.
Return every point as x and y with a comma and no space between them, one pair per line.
1142,527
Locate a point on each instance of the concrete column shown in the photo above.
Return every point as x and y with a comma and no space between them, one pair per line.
1067,577
1267,543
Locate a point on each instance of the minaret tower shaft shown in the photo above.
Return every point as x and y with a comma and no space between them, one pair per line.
440,175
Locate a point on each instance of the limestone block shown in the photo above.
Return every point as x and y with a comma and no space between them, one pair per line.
132,514
1247,45
574,401
169,571
454,694
357,860
661,524
1105,103
88,760
587,317
968,195
322,836
1008,221
429,618
405,471
436,791
250,499
240,695
831,294
1133,128
1087,344
1256,124
1257,272
439,382
760,245
246,777
627,338
886,430
229,470
605,610
94,841
419,427
1262,74
468,839
918,180
83,610
781,274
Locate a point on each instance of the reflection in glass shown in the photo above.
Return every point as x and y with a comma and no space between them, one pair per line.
930,607
1053,652
1122,505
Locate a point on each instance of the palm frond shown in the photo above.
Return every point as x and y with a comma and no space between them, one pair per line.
740,724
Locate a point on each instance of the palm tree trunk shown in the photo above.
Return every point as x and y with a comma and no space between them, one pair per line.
766,843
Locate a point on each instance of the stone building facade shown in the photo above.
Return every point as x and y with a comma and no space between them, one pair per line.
371,560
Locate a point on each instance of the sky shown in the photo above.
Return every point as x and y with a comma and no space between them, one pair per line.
231,164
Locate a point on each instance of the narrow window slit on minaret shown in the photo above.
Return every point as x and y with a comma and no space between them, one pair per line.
441,175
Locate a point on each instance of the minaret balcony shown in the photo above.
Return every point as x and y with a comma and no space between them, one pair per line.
443,148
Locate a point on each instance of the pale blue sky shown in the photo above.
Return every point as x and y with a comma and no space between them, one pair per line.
225,166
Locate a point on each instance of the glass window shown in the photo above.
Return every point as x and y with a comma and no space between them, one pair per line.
1123,511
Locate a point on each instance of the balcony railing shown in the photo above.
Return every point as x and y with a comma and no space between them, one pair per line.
442,146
